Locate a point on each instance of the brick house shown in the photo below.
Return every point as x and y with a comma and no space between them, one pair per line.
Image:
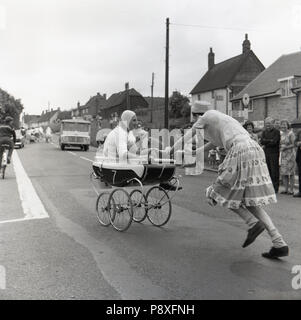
275,92
226,79
91,109
118,102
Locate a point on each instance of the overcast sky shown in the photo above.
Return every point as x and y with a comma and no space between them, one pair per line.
64,51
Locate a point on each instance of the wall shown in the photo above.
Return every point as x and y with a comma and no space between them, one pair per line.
277,108
258,110
220,105
282,108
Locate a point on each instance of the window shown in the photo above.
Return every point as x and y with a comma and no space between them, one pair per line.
199,97
212,94
286,85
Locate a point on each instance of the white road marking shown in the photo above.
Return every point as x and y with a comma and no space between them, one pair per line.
84,158
74,154
20,220
31,203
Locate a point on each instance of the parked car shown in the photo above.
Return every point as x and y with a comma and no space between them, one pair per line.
75,133
20,139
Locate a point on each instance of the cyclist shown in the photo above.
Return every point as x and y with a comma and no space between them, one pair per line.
7,133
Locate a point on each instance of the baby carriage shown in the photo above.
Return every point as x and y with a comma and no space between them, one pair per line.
147,199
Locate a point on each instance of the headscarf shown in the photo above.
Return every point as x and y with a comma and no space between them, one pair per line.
126,118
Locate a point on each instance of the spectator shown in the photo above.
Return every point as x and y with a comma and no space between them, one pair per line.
249,126
277,124
298,160
270,139
287,164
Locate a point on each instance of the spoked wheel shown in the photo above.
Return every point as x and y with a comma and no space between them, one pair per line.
103,208
121,213
139,205
158,206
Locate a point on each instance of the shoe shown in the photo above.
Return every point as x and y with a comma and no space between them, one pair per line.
253,233
275,253
170,187
297,195
283,192
290,193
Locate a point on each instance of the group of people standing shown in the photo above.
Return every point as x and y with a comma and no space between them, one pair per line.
282,151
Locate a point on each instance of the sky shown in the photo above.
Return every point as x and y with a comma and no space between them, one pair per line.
59,52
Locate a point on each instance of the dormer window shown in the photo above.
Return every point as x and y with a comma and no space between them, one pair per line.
286,84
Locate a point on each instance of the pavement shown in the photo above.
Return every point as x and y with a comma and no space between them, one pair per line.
52,247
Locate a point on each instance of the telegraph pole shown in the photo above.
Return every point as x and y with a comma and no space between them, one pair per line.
166,74
152,98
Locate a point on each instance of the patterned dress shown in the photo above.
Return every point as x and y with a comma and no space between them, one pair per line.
288,156
243,177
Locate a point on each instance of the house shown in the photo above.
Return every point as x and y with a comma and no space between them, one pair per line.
275,92
31,121
226,79
48,118
118,102
91,109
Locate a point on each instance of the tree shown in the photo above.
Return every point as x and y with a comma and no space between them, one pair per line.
179,105
9,106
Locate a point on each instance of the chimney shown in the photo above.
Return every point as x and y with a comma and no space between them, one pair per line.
105,96
246,45
78,104
127,86
98,94
210,59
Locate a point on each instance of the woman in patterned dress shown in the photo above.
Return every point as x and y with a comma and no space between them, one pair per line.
243,184
287,168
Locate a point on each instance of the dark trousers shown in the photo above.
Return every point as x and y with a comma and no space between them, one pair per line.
272,160
8,141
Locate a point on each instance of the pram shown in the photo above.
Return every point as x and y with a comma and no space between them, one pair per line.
117,207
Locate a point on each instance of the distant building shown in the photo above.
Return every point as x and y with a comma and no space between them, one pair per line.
226,79
118,102
152,117
31,121
91,109
275,92
48,118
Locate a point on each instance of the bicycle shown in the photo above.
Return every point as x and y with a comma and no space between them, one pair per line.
4,149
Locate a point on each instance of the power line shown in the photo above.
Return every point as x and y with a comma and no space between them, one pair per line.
216,27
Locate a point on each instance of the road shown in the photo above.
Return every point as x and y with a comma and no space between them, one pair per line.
52,246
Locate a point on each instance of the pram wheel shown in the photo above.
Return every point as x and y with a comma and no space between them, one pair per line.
121,211
103,208
158,206
139,205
